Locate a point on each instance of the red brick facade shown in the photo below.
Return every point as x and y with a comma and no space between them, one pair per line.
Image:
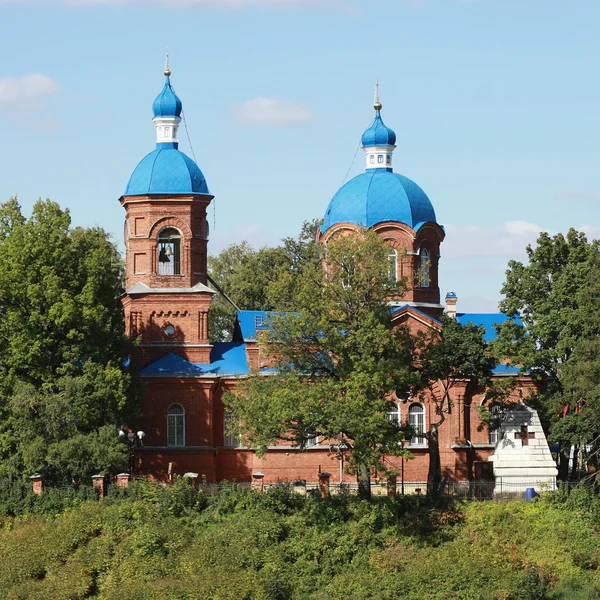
169,313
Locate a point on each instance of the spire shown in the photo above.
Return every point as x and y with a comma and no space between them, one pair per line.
167,70
377,104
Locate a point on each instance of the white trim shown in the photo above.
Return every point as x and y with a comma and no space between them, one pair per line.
176,417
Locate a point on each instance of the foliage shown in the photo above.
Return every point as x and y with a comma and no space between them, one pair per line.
277,545
338,361
247,277
453,356
556,296
63,389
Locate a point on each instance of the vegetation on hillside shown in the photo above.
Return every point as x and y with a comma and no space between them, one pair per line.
152,542
64,392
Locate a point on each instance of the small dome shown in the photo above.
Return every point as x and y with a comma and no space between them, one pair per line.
376,196
378,134
166,171
167,103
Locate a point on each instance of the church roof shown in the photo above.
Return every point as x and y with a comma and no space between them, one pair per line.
226,358
166,170
488,320
376,196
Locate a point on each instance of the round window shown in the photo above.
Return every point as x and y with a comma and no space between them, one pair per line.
170,330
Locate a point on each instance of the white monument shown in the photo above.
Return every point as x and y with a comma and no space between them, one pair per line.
522,457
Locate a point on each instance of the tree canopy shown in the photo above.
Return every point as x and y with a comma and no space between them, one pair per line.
338,361
63,389
555,295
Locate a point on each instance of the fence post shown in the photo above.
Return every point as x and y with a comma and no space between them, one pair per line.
37,484
258,482
99,481
123,480
324,484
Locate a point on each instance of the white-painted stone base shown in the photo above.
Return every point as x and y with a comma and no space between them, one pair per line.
516,465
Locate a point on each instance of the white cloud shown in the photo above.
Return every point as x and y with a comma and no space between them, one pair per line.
271,111
507,240
25,99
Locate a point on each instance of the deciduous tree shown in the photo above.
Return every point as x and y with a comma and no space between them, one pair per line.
338,361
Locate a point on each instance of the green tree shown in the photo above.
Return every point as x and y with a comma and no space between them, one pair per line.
550,295
247,276
453,356
62,341
338,362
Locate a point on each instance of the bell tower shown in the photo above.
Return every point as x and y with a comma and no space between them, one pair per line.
166,237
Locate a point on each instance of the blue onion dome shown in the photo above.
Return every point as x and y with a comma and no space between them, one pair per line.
167,103
376,196
166,170
378,134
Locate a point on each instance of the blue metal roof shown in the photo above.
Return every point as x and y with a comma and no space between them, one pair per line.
379,195
378,134
166,170
226,358
488,320
167,103
251,320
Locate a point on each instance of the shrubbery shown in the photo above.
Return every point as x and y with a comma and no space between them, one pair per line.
151,541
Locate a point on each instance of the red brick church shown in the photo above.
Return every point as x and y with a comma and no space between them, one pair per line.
167,307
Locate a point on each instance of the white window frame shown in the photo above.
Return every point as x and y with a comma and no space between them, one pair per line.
495,435
178,421
393,415
424,268
380,159
230,440
418,440
393,260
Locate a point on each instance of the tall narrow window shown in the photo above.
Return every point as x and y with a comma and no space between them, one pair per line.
494,430
169,252
393,414
393,260
424,268
416,419
232,430
380,159
372,158
176,425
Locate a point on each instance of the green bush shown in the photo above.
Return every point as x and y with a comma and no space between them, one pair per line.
155,541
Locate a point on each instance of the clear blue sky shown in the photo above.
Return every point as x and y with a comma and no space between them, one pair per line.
495,104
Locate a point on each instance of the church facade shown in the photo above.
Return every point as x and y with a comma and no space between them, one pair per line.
167,308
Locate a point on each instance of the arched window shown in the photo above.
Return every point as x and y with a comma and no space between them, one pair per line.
231,433
393,260
424,268
495,432
169,252
176,425
416,419
393,413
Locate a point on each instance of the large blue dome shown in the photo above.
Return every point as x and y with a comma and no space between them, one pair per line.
376,196
166,170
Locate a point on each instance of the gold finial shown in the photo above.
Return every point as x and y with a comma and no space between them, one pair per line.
167,70
377,104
